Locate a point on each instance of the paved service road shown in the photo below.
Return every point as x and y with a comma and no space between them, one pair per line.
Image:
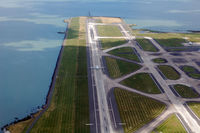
104,117
178,104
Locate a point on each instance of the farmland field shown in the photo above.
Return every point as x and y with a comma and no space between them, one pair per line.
142,82
185,91
171,125
125,52
159,60
195,107
169,72
146,45
108,43
109,30
70,103
118,68
136,110
191,71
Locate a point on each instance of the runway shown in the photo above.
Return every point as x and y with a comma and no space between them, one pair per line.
105,120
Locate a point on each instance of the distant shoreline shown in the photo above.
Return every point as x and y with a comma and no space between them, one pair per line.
159,31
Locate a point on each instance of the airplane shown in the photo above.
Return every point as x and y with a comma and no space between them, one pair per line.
190,43
97,67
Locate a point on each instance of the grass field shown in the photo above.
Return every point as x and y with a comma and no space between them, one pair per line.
146,45
172,42
169,72
170,125
109,30
195,107
185,91
118,68
109,43
167,39
136,110
191,71
142,82
69,109
193,37
159,60
109,20
125,52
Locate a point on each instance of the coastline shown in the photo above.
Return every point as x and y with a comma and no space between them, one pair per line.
149,30
36,115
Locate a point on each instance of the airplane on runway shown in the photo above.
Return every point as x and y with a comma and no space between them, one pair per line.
97,67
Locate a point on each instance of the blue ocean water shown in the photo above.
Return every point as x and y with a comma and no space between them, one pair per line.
29,43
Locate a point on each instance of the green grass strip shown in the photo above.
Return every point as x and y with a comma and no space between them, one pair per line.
126,53
118,68
185,91
171,125
170,39
142,82
191,71
171,42
146,45
136,110
109,43
195,107
169,72
109,31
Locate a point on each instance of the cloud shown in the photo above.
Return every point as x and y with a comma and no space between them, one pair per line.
17,4
34,45
9,4
184,11
38,18
40,15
